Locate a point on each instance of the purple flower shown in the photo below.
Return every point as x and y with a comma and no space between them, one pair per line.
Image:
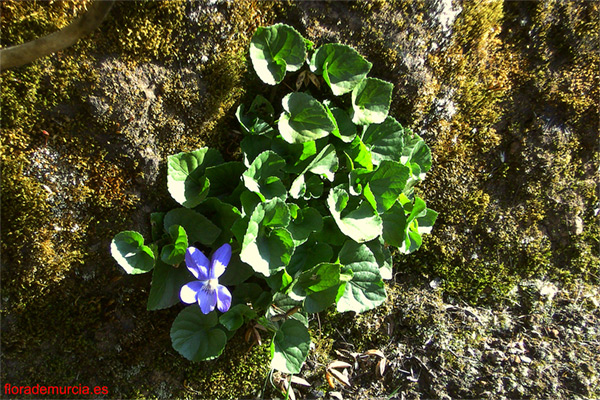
206,290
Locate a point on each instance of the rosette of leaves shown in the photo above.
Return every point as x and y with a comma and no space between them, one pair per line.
322,196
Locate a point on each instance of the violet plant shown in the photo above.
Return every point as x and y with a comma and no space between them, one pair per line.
305,221
207,291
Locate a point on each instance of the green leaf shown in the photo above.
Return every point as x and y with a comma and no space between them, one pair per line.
249,202
128,249
314,188
156,223
263,177
266,252
320,301
412,242
196,225
174,254
387,182
196,336
277,213
360,223
427,221
224,178
308,220
298,187
279,281
296,155
365,290
283,303
418,209
394,225
385,141
185,175
221,214
319,278
305,119
341,66
258,119
415,151
294,208
275,50
358,179
251,293
345,129
236,316
308,255
359,153
371,100
252,146
324,164
404,231
237,271
330,233
290,346
166,284
383,256
418,214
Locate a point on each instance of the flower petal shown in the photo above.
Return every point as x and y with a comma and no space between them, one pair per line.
197,263
223,298
189,292
207,299
220,259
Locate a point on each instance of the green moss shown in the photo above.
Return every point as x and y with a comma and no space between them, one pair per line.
241,371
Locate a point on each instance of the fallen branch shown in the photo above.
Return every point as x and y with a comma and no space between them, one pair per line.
16,56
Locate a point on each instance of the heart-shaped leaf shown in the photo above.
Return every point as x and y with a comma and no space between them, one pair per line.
359,154
166,284
258,119
371,100
174,253
308,255
296,155
196,336
236,316
415,151
341,66
224,178
266,251
307,220
263,177
323,164
304,119
345,129
383,256
290,346
275,50
317,286
196,225
404,231
360,222
365,290
386,183
385,141
185,175
128,249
